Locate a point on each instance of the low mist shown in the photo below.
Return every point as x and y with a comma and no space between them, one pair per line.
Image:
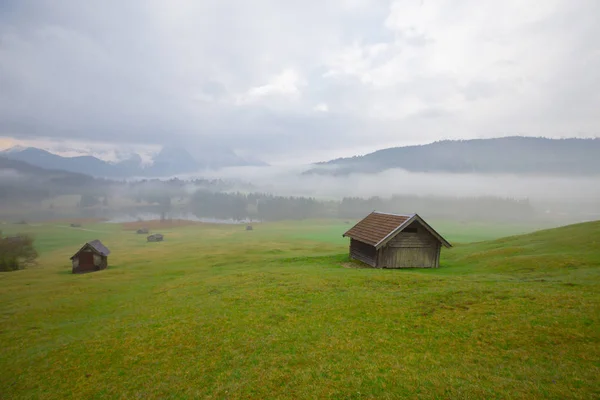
289,181
243,194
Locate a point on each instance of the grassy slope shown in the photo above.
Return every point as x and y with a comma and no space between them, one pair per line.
219,312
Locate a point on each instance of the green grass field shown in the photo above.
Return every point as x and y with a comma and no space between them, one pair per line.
280,312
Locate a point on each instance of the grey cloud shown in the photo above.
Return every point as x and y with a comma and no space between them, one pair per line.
479,89
414,38
431,113
162,72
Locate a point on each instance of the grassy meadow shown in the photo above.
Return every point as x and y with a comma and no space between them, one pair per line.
215,311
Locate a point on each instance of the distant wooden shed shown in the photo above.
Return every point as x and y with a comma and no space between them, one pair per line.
93,256
384,240
157,237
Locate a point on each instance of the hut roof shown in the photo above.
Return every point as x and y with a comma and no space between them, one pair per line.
96,246
378,228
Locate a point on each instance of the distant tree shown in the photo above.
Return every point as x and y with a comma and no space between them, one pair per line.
16,252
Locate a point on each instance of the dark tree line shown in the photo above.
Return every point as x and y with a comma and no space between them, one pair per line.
256,206
269,208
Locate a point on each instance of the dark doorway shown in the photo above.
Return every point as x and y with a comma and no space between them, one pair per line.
86,261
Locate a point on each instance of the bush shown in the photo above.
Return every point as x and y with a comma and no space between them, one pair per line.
16,252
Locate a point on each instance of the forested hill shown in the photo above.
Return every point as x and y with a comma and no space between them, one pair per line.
25,173
518,155
22,182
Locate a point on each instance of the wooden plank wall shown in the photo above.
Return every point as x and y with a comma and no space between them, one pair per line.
418,249
406,257
363,252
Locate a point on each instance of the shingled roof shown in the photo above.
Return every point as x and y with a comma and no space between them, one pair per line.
377,228
97,246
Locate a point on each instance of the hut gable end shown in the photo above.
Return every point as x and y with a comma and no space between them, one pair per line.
413,225
414,235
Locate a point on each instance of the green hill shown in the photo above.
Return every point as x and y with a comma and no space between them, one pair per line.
279,312
567,252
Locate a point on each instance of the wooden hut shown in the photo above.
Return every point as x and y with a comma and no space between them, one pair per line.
395,241
157,237
93,256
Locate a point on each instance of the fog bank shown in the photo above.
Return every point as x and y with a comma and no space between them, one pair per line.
289,181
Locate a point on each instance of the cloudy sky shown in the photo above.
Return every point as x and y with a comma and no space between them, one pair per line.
296,80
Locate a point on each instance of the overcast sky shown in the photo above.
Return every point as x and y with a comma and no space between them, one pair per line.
297,80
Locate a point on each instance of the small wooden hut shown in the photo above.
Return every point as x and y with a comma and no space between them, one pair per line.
395,241
157,237
93,256
13,239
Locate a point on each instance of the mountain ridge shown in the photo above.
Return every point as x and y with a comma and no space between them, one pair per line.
513,154
169,161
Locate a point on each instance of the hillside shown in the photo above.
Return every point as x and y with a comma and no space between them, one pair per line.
280,312
512,155
88,165
21,181
168,162
22,167
559,253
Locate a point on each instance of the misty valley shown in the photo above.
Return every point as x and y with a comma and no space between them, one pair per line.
549,187
249,281
342,199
